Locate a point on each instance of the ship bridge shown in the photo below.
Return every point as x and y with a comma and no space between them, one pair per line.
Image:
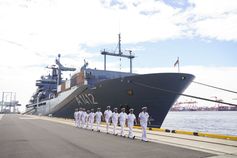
93,76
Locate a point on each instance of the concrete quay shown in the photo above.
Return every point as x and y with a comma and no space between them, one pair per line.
38,136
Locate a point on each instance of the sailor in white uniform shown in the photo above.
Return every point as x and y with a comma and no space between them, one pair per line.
122,120
143,117
87,118
75,117
91,119
83,118
98,116
131,120
79,122
115,120
107,115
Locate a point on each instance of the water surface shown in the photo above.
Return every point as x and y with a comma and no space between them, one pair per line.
220,122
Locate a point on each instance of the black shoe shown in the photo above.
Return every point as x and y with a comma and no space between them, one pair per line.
133,137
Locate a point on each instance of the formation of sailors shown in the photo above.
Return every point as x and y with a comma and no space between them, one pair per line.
86,119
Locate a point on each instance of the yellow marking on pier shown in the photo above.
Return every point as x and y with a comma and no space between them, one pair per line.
220,136
209,135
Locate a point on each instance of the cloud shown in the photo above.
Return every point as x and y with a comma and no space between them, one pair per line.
213,28
113,4
214,20
64,24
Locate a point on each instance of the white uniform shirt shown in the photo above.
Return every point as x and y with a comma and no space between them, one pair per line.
98,115
79,115
123,117
108,114
91,116
131,118
115,117
143,116
87,116
83,116
75,115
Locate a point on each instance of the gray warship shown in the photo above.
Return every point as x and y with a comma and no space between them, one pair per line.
92,88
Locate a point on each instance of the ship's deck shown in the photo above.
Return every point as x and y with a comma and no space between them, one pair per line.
33,136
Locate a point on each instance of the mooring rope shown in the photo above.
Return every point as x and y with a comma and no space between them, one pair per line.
223,89
186,95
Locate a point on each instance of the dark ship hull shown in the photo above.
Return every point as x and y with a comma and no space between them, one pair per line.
156,91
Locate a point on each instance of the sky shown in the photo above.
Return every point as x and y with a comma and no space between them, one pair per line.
203,34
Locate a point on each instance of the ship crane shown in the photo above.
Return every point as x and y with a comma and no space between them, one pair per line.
61,68
119,54
218,102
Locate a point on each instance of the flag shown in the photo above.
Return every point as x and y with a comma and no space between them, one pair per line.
177,62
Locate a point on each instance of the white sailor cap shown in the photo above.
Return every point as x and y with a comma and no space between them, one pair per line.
144,107
108,106
115,108
131,109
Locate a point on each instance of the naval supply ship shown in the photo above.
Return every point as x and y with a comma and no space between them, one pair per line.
91,88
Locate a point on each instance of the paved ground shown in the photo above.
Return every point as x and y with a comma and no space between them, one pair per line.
1,115
26,137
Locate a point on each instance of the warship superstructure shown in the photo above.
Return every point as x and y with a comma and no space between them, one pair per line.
92,88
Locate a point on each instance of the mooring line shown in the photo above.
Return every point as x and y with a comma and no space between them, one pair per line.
186,95
207,85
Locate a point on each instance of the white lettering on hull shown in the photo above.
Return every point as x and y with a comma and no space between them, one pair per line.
85,99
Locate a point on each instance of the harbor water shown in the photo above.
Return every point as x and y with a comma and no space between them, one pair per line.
219,122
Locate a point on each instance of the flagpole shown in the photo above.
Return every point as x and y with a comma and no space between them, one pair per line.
177,63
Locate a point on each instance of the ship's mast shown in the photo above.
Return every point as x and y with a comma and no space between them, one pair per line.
120,54
119,44
59,79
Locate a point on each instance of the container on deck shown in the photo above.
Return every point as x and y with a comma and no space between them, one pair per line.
59,88
77,79
63,86
68,84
